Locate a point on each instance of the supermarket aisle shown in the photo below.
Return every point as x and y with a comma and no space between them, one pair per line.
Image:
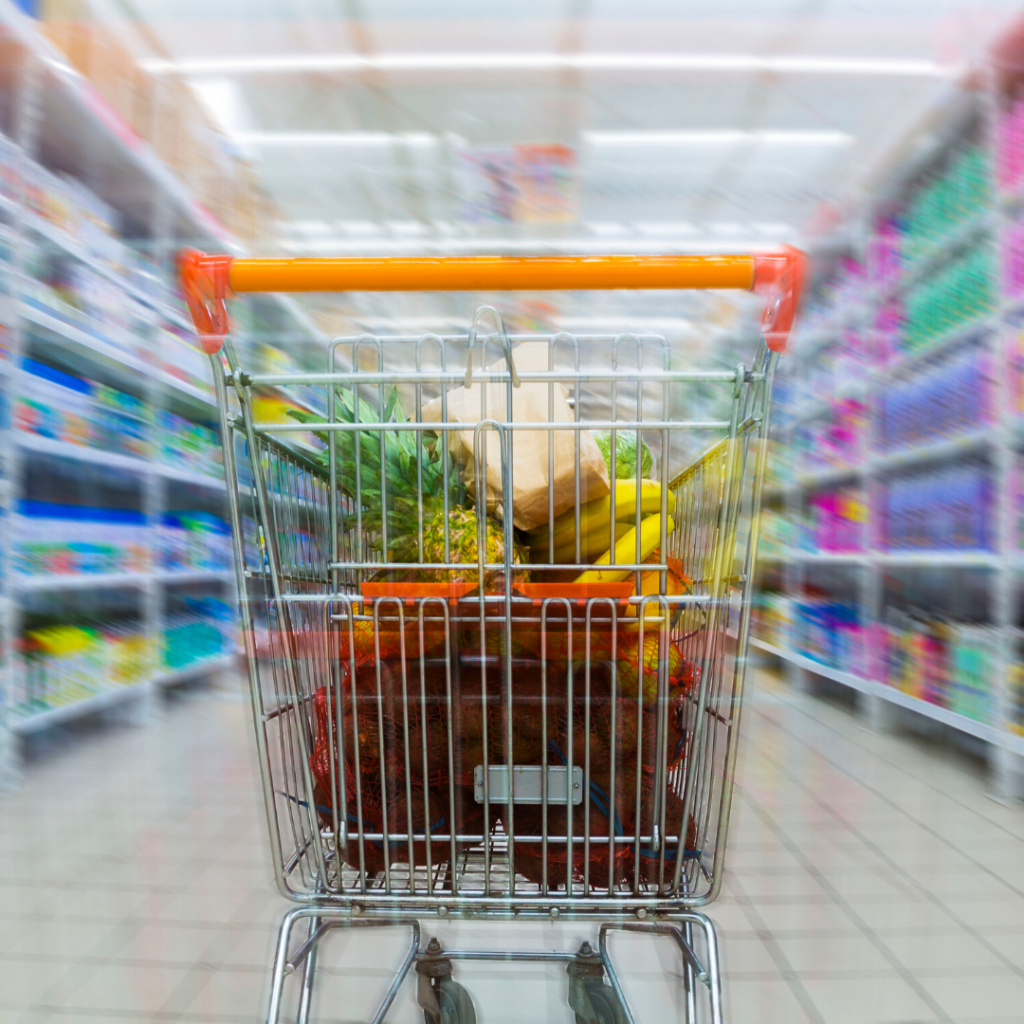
872,881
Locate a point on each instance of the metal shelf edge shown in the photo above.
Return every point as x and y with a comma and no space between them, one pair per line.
68,712
990,733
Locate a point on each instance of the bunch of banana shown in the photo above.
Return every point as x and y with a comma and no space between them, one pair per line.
649,532
600,521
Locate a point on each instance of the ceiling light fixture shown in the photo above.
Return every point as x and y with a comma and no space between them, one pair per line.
356,139
717,137
259,64
449,246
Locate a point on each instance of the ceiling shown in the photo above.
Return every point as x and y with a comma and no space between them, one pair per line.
389,126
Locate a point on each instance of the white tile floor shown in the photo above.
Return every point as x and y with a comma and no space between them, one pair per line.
871,880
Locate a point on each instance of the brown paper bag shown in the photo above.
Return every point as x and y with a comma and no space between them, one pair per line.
529,447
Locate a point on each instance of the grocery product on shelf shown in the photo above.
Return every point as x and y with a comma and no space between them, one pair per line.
196,633
772,619
1015,699
953,398
943,203
843,291
1013,260
830,632
74,293
964,290
67,408
950,508
74,211
179,356
193,540
1009,137
62,664
62,540
950,665
972,671
836,521
835,440
838,363
187,446
887,326
778,536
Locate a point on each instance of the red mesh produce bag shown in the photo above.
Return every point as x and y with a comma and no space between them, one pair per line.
400,729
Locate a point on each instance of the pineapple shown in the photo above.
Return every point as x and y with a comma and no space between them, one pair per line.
396,526
463,541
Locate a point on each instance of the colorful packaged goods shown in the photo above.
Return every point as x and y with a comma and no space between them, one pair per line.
962,291
63,407
972,669
955,397
837,521
52,539
63,664
830,632
1010,147
193,540
1015,699
946,509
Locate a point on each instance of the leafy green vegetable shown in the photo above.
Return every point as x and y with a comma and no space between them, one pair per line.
625,453
400,452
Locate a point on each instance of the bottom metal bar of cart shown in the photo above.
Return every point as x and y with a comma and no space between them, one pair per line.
435,961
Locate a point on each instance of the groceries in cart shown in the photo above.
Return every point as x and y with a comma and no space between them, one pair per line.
432,695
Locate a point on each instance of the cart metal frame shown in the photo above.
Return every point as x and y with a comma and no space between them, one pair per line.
310,592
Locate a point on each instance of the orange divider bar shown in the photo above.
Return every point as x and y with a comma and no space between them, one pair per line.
489,273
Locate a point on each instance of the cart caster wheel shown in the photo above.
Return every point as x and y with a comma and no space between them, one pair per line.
604,1004
456,1006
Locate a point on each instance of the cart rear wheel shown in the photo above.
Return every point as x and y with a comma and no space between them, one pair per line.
456,1006
604,1002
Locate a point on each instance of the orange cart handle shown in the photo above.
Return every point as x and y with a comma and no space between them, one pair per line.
208,280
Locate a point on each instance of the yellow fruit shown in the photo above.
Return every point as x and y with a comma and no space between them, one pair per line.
625,551
678,583
593,543
596,515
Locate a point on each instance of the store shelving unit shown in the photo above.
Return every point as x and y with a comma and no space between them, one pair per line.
868,577
50,115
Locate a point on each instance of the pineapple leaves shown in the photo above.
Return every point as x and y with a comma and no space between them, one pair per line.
396,457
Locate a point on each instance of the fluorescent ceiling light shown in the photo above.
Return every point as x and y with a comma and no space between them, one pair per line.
667,229
355,139
606,228
429,247
598,139
717,137
521,62
222,98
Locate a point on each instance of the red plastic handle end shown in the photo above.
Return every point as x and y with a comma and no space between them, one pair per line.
204,280
781,277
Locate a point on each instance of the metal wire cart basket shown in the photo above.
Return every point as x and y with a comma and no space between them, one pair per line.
495,595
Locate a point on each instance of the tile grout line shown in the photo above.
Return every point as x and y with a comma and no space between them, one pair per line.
949,843
839,900
886,799
798,707
785,969
882,855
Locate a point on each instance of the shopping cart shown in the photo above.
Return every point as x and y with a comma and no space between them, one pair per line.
485,737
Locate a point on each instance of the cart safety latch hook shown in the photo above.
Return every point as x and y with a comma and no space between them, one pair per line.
506,346
780,276
204,280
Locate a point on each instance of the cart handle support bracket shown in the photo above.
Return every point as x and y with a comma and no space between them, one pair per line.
208,281
204,280
780,276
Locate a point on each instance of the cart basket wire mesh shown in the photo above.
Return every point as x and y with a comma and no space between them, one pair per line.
455,709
